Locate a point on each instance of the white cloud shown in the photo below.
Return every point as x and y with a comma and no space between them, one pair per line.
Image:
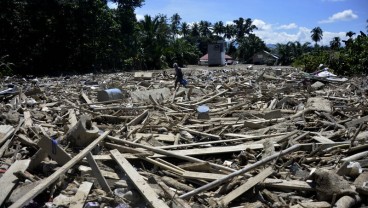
302,34
341,16
139,17
288,27
112,5
261,25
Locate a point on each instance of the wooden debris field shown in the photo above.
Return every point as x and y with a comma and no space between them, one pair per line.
259,139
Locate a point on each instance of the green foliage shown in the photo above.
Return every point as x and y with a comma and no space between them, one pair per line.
248,46
317,34
353,59
5,67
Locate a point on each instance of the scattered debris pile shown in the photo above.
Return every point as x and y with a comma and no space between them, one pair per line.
235,137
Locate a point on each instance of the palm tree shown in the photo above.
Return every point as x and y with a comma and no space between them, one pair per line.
244,27
195,30
185,29
204,28
350,34
317,34
335,43
219,28
175,22
153,37
229,31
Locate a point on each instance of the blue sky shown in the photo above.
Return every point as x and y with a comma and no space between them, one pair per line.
279,21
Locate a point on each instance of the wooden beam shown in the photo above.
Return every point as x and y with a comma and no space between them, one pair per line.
288,185
202,176
210,98
200,133
241,171
246,186
5,132
54,151
143,187
9,180
98,174
27,119
85,97
80,197
62,170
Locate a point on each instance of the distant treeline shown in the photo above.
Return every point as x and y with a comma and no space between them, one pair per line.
77,36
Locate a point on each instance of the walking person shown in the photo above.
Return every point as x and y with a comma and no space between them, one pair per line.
179,76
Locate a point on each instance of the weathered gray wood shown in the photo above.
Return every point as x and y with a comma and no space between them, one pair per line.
210,98
80,197
97,173
5,132
143,187
246,186
288,185
319,104
9,180
60,156
202,176
241,171
356,121
169,153
200,133
85,97
62,170
27,119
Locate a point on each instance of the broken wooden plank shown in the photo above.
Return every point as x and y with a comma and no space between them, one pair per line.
200,133
98,174
9,180
210,98
202,176
287,185
85,97
62,170
54,151
80,197
239,172
148,193
246,186
27,119
5,132
356,121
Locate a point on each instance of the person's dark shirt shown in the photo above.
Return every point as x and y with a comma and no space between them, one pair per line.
178,72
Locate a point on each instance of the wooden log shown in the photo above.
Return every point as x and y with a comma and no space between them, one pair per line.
355,156
246,186
177,201
143,187
347,202
9,180
80,197
62,170
176,184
